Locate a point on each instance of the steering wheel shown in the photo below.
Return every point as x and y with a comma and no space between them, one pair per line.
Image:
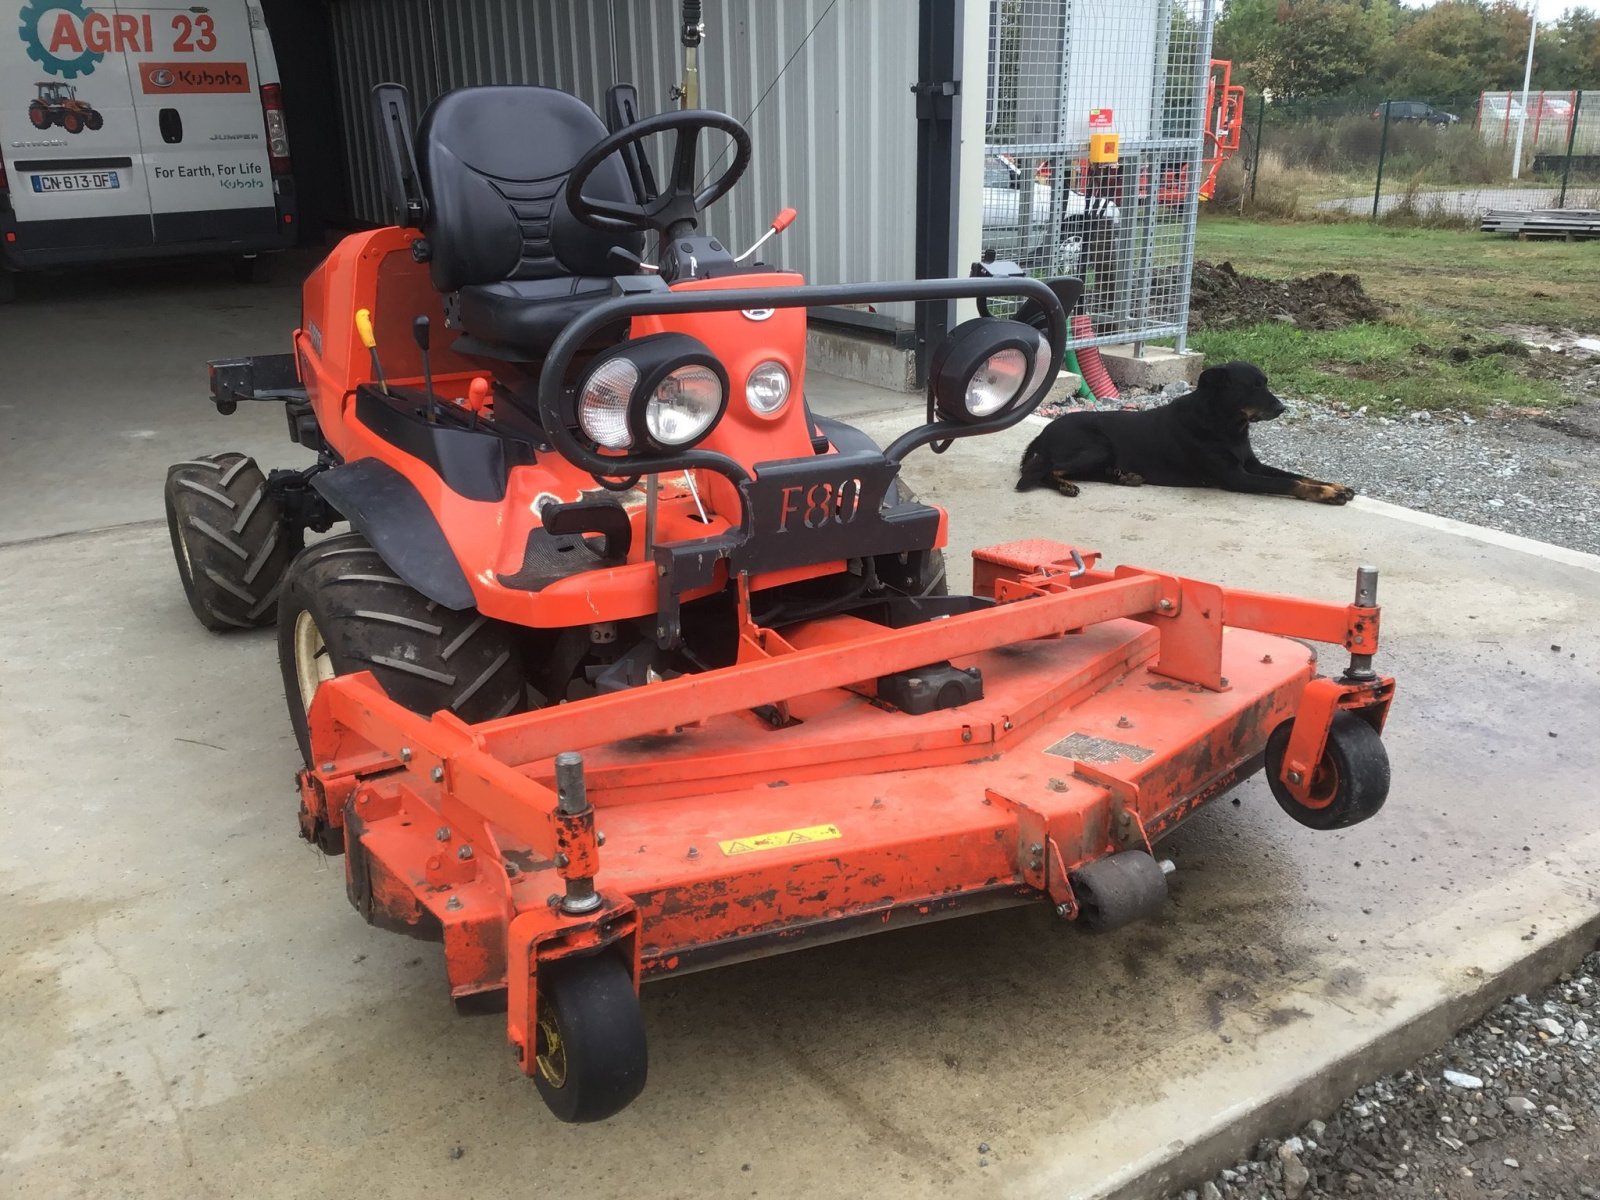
680,200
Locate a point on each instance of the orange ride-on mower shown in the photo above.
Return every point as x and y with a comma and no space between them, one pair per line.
631,664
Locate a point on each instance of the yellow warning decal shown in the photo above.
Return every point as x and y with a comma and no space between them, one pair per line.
784,837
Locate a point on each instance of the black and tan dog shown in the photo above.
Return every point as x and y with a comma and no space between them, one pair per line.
1201,439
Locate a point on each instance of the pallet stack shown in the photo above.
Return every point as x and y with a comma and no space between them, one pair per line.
1570,224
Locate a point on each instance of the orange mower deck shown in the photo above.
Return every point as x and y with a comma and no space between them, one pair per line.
775,803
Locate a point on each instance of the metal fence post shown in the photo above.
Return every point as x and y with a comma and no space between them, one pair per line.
1261,131
1572,136
1383,150
938,92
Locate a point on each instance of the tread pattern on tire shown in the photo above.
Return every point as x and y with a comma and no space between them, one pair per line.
426,656
237,550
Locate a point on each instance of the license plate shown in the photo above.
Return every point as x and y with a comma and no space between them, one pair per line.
76,181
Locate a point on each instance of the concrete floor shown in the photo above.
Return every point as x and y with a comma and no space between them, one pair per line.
192,1009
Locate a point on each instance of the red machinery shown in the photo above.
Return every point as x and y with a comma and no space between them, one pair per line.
631,664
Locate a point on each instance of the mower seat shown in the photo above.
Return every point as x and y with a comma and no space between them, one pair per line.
514,264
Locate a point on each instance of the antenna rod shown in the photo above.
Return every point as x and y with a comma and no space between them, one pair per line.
693,30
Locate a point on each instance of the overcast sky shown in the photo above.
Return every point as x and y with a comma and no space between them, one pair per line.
1549,10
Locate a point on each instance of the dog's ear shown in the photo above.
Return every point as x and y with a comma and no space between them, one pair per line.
1212,379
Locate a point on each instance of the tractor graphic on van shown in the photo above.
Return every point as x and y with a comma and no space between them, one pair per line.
58,104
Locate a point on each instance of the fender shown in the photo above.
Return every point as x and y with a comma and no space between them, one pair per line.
383,506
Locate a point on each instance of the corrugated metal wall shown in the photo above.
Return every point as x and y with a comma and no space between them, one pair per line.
835,132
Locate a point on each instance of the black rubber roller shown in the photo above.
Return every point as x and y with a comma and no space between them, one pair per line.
1119,889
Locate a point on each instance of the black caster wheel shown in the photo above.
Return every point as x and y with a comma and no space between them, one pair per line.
1349,785
590,1038
1118,890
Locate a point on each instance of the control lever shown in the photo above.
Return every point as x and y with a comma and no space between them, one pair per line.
779,223
628,258
419,330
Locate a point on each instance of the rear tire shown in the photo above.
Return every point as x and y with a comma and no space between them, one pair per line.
40,116
95,120
72,122
343,610
229,540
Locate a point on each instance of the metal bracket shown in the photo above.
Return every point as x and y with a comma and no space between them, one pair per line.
936,99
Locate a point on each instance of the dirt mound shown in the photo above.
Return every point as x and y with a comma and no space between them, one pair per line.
1222,299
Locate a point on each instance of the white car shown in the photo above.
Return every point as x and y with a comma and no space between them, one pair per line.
1083,219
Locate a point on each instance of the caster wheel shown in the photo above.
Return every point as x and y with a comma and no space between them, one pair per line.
1119,889
1349,785
590,1039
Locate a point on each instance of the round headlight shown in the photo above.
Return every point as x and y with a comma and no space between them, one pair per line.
767,388
1041,364
996,383
683,405
603,404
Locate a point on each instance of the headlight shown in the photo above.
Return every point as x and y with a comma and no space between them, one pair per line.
767,389
659,393
986,367
683,405
997,383
603,404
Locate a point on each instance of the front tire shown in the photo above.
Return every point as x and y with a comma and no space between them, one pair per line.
343,610
229,540
590,1038
96,120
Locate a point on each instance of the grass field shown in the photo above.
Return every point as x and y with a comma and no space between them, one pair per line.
1441,285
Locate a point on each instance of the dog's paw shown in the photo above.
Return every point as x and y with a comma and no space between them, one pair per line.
1062,484
1345,492
1129,478
1334,493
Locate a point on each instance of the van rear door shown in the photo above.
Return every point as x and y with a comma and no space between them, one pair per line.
70,135
197,94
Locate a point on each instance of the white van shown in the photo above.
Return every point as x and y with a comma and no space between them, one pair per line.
129,131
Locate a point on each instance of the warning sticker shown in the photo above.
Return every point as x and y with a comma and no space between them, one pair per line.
784,837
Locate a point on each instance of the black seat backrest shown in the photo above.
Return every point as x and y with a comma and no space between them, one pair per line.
494,166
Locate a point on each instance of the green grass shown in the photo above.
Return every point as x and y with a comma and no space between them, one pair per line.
1379,366
1442,286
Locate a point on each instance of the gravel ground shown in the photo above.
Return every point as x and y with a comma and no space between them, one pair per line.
1508,1110
1533,475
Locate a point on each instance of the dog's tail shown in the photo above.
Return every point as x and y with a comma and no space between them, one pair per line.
1033,469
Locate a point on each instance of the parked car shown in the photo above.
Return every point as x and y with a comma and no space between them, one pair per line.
1415,111
1084,219
1498,109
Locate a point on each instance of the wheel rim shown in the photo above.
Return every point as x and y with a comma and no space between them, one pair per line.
552,1054
1324,786
313,666
184,563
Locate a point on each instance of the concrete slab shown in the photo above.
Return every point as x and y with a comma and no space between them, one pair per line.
1154,369
193,1009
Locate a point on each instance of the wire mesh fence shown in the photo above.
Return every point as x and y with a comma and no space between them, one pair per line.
1062,74
1448,159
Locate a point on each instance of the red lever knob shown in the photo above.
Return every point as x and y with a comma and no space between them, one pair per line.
784,219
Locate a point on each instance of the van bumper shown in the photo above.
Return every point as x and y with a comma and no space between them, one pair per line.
33,245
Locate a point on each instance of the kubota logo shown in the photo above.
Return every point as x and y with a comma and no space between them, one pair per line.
182,77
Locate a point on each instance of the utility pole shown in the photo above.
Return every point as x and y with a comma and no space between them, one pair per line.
1527,76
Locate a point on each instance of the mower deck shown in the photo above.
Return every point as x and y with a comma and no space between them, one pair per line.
778,802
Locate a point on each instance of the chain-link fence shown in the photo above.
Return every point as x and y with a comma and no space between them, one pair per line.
1062,75
1447,160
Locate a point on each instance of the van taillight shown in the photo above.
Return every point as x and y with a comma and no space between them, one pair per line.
277,128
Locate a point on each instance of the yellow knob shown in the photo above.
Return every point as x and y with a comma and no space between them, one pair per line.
364,328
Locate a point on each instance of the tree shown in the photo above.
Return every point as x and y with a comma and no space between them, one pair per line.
1568,52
